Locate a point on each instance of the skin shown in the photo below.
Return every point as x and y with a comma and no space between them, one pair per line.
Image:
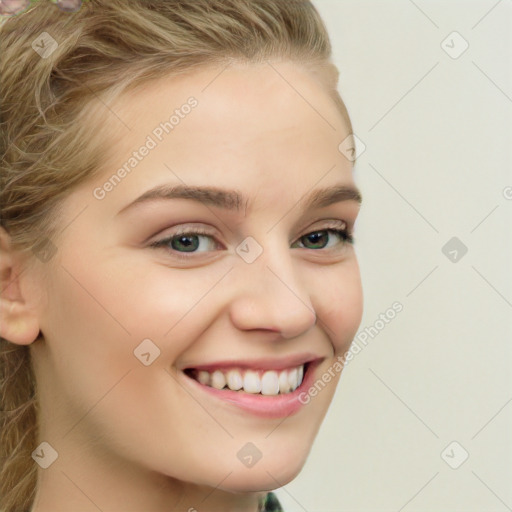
131,437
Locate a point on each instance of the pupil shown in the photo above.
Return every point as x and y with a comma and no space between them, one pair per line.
316,236
190,247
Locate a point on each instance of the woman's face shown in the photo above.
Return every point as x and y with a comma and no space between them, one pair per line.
131,314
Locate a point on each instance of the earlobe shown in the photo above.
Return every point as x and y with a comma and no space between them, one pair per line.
18,321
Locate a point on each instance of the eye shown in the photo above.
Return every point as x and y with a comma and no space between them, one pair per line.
186,239
320,237
186,242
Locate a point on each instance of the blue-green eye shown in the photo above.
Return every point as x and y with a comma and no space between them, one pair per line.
185,243
319,237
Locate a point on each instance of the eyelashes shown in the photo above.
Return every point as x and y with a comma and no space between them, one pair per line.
187,238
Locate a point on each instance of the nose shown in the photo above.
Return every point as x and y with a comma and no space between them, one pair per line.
271,296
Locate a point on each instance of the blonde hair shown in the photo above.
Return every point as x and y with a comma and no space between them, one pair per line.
47,146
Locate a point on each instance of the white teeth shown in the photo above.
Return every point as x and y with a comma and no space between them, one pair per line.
284,385
203,377
218,379
235,381
293,378
252,382
270,382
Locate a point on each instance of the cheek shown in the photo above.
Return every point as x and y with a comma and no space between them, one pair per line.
96,319
87,339
340,305
101,309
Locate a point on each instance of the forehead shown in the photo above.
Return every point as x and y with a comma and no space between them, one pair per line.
263,126
246,100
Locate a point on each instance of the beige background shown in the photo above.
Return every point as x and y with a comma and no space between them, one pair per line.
438,157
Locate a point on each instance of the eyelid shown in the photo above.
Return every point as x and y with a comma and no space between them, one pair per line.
182,229
206,230
340,227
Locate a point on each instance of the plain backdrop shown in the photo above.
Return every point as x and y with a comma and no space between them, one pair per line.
422,418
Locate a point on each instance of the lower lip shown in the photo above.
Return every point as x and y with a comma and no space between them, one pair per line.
265,406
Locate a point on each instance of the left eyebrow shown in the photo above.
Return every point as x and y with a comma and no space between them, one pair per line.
233,200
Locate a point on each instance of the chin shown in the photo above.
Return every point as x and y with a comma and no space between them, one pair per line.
264,478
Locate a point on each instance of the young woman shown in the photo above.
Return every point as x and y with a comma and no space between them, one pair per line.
179,284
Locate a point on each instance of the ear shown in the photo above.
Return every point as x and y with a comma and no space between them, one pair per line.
19,323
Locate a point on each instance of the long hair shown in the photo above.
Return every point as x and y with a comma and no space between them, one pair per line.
56,68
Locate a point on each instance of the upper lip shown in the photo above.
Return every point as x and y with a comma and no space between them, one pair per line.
264,363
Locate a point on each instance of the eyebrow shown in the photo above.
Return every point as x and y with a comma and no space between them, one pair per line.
232,200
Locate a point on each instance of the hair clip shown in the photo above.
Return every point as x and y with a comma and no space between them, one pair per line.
13,7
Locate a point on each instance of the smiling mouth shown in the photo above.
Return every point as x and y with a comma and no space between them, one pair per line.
250,381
